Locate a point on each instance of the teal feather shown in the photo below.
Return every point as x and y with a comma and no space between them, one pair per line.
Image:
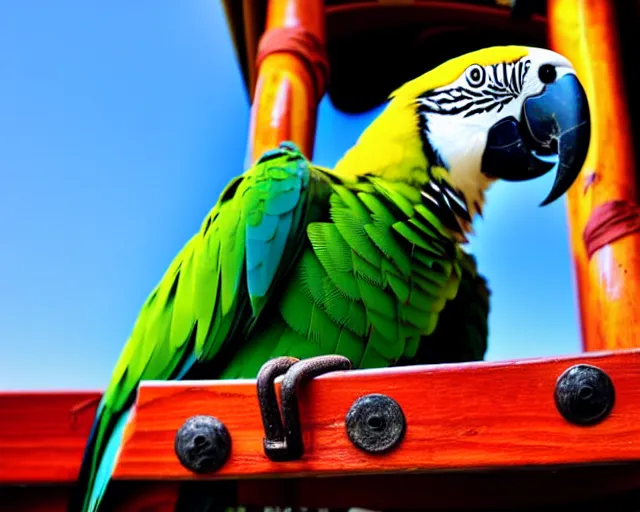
107,464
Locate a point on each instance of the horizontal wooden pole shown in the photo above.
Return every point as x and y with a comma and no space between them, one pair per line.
459,417
43,434
467,416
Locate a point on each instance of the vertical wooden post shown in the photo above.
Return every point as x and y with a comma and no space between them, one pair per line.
292,73
602,208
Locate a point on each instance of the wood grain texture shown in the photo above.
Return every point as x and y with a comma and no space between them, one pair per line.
459,417
492,427
609,283
284,103
42,435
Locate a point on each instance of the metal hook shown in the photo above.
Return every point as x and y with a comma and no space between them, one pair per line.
274,440
283,442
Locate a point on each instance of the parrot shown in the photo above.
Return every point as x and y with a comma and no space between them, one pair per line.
360,260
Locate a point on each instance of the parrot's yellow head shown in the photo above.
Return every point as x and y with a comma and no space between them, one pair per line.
511,113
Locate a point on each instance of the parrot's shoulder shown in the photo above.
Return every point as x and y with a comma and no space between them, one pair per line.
221,279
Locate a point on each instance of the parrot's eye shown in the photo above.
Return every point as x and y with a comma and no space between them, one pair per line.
547,73
475,75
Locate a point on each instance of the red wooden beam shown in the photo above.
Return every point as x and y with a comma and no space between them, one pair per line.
42,435
459,417
470,418
466,416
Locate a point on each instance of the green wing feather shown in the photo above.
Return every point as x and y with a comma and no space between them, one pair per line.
373,281
214,290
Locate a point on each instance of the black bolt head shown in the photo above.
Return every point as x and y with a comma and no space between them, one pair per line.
584,394
375,423
202,444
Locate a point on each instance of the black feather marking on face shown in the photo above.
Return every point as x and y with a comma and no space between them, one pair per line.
431,154
487,90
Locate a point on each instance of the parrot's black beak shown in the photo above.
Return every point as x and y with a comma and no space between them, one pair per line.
555,131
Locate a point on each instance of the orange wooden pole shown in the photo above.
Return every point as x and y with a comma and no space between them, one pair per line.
609,280
291,76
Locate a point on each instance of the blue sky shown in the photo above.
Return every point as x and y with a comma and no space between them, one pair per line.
120,123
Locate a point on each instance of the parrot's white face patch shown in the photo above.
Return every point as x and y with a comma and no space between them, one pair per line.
456,119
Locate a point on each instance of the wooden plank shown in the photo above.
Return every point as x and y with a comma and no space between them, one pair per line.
585,31
42,435
459,417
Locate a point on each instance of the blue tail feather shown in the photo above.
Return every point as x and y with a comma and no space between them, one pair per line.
107,464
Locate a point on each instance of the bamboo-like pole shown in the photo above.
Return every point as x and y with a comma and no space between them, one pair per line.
608,279
292,70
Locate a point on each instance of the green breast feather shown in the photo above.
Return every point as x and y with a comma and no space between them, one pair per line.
376,268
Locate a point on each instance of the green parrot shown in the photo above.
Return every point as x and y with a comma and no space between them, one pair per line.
361,260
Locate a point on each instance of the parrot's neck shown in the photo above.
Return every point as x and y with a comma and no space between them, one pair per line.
461,146
391,148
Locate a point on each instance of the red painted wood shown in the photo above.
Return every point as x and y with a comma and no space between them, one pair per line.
460,417
42,435
510,420
464,417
